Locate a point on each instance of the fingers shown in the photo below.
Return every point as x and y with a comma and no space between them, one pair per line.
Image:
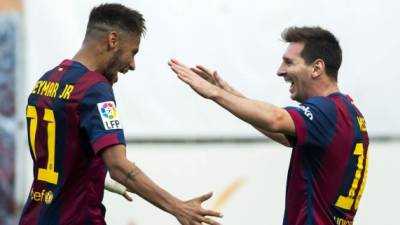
204,75
206,72
184,73
127,197
196,215
199,84
207,220
197,220
209,72
177,64
205,197
201,73
173,63
182,70
179,68
173,68
205,69
217,77
204,220
207,212
213,76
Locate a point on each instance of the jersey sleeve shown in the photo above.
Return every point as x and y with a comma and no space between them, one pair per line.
315,122
99,117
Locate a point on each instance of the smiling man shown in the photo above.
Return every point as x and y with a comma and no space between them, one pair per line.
75,134
327,133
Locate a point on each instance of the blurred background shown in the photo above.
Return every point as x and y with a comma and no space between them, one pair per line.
185,143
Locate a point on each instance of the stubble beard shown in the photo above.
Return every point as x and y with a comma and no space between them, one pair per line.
111,71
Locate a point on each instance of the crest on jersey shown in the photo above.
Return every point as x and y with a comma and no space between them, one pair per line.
109,115
48,197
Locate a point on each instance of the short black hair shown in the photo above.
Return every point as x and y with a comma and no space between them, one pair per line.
318,44
116,16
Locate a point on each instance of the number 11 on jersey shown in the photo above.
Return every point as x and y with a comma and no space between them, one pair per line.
44,174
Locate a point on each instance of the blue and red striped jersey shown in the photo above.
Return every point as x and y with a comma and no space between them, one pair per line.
329,162
72,116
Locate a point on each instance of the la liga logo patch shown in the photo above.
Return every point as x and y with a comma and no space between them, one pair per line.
109,115
108,110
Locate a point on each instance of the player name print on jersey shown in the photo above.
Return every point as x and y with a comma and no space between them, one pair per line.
50,89
109,115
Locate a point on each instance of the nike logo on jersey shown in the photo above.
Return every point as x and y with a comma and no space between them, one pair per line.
307,112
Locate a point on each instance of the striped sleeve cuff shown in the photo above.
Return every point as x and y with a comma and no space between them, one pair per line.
299,127
106,141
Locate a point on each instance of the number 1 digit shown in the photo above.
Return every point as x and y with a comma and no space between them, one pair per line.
346,202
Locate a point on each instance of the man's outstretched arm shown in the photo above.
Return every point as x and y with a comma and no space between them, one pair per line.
127,173
214,78
262,115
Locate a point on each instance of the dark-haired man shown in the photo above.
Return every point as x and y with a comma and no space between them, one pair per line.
75,134
329,161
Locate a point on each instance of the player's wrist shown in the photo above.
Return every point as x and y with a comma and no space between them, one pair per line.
175,208
114,186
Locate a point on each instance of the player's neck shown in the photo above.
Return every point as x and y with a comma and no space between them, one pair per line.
332,88
90,57
325,89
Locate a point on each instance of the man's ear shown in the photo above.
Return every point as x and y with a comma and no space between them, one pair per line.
318,68
112,40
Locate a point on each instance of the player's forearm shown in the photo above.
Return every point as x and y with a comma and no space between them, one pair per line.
259,114
136,181
278,137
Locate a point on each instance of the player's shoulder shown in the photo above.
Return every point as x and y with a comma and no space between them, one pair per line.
73,71
319,105
318,101
86,82
97,89
97,77
91,80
